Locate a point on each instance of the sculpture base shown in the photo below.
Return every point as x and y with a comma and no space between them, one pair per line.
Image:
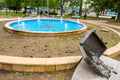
84,72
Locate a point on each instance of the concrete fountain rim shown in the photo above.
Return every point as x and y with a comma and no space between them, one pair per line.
10,29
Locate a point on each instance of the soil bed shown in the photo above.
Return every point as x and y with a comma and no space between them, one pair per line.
30,46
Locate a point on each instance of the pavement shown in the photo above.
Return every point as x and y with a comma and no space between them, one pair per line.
84,72
101,22
4,19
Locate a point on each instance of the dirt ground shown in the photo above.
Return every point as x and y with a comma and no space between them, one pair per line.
59,75
31,46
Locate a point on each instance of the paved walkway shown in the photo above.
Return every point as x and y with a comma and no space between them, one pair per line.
101,22
84,72
3,19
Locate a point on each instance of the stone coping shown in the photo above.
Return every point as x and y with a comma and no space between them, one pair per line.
47,64
38,64
113,51
39,61
30,33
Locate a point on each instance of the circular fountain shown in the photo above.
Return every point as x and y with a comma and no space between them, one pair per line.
45,27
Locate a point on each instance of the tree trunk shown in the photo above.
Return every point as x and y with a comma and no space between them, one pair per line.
97,14
118,16
80,10
16,11
25,9
38,10
61,7
54,10
103,12
61,11
17,4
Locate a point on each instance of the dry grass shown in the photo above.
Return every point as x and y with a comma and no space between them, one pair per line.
30,46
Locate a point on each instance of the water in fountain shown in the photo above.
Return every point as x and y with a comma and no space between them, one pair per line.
19,20
66,26
23,24
61,19
78,20
38,17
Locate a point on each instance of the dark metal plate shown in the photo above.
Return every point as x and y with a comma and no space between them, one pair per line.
91,43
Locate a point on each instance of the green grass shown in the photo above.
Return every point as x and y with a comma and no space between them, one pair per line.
82,17
11,14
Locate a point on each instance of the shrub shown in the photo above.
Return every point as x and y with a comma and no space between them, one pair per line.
113,17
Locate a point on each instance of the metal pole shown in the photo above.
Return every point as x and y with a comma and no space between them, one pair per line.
48,8
6,9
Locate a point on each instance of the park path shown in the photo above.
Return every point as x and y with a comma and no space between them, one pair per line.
101,22
4,19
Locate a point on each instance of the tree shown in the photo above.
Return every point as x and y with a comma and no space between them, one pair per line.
53,4
98,6
114,5
25,3
77,3
1,4
14,5
61,4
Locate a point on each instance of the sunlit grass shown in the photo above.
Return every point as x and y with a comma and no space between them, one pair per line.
11,14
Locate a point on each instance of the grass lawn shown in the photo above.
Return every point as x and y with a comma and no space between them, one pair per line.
11,14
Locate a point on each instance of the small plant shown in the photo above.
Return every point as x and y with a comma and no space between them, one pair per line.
18,73
113,17
62,76
10,78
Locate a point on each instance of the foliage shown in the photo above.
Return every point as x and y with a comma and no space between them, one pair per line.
113,17
98,6
14,4
1,4
11,14
61,4
77,3
53,4
102,5
115,6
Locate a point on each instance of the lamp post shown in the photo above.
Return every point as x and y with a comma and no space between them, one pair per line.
48,8
6,8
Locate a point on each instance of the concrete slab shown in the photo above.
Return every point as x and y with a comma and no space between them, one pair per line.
84,72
